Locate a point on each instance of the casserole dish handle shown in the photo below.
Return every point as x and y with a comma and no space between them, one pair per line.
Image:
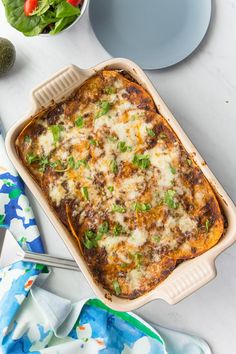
57,87
188,279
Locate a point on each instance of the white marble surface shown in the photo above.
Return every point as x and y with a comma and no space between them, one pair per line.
201,92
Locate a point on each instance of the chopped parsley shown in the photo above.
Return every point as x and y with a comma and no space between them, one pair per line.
110,188
134,117
141,207
27,139
79,122
31,158
207,225
110,90
112,138
118,229
138,259
118,208
54,164
90,239
189,162
93,142
116,287
173,170
162,136
150,132
85,194
71,162
105,107
141,161
56,132
103,228
169,199
79,163
113,166
43,163
156,238
124,265
122,147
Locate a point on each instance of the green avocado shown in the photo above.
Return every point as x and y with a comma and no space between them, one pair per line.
7,55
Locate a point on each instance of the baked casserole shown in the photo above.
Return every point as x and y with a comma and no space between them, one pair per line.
120,180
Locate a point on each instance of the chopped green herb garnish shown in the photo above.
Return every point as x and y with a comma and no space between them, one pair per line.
134,117
71,162
150,132
141,206
84,191
118,228
113,166
79,163
93,142
56,132
90,239
79,122
105,107
141,161
54,164
110,90
110,188
112,138
173,170
169,199
31,158
207,225
138,259
27,139
118,208
122,147
43,162
156,238
189,162
162,136
124,265
116,287
104,228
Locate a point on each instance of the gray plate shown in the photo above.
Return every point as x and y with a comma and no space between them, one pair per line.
153,33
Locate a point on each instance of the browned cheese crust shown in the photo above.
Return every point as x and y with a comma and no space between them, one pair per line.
120,180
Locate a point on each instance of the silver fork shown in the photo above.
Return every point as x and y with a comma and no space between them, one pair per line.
11,252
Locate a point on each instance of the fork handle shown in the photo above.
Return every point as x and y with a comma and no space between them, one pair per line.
48,260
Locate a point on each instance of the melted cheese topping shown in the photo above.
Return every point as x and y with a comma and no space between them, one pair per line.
126,181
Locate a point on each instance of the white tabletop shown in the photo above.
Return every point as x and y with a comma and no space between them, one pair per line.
201,92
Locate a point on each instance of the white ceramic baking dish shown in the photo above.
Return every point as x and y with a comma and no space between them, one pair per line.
188,276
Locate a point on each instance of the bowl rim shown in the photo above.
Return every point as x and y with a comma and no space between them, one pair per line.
188,276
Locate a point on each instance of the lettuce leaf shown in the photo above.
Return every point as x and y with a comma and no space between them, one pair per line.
64,9
16,17
62,23
59,14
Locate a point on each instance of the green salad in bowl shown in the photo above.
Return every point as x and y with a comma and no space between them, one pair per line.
34,17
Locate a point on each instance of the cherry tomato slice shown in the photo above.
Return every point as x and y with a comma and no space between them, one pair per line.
74,2
30,6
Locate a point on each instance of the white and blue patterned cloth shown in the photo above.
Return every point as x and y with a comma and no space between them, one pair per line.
34,321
